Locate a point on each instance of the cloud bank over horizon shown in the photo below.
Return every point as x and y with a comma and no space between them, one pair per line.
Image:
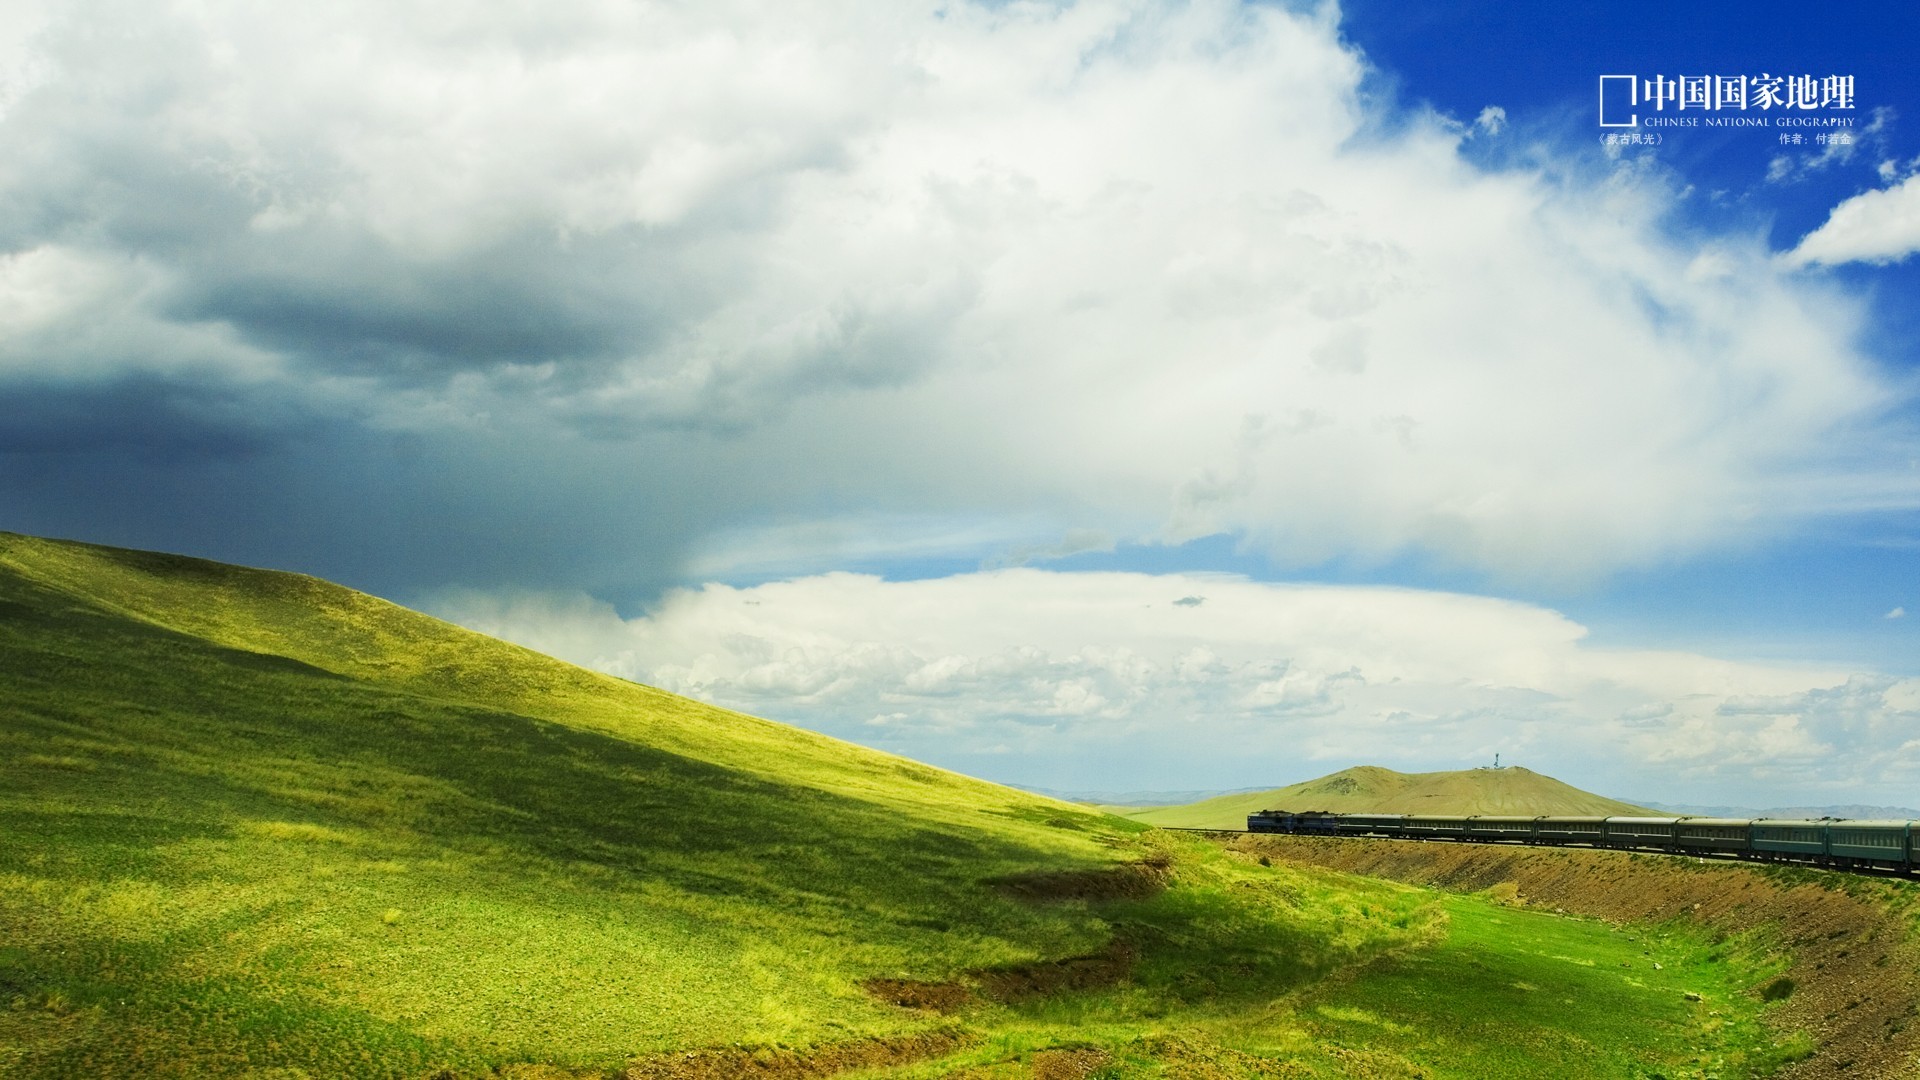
669,279
1122,680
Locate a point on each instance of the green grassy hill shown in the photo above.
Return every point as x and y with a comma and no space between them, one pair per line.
1369,789
253,824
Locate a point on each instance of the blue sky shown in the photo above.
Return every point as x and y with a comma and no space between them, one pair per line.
1823,589
1105,394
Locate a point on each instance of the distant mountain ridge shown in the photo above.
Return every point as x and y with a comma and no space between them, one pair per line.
1851,810
1366,789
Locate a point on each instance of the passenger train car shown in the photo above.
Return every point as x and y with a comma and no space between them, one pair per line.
1833,842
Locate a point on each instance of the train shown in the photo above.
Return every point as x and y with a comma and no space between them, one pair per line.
1837,843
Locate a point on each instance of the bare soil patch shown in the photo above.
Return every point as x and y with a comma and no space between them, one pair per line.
1855,968
1069,1064
1019,983
1130,881
1104,968
781,1063
940,997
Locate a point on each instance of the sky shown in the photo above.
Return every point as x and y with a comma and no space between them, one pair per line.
1088,394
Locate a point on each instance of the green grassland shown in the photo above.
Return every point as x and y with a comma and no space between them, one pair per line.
1370,789
253,824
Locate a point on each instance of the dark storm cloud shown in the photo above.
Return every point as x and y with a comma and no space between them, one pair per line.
146,415
338,198
393,514
350,303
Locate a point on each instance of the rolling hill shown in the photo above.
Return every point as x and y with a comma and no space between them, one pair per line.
253,824
255,810
1370,789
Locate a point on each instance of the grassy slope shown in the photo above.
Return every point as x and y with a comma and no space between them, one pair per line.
219,771
256,822
1369,789
1502,973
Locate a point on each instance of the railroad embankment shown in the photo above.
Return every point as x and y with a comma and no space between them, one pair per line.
1853,943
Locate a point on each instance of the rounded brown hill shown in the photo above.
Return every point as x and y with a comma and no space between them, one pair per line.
1370,789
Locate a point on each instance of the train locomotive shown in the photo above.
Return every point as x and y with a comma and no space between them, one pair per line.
1838,843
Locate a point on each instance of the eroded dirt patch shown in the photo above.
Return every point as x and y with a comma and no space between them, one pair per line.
1855,971
1130,881
780,1063
1069,1064
940,997
1019,983
1028,981
1196,1059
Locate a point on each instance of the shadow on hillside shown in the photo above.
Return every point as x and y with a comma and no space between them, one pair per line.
176,730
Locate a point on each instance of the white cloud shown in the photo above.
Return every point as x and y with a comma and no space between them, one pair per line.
1878,226
1262,682
1155,268
1897,613
97,315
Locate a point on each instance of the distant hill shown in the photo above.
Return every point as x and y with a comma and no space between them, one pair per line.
1371,789
1858,811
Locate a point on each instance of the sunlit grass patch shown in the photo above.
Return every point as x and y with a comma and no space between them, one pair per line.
298,830
1512,993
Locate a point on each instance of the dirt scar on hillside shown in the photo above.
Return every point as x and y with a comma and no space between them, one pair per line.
1856,969
781,1063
